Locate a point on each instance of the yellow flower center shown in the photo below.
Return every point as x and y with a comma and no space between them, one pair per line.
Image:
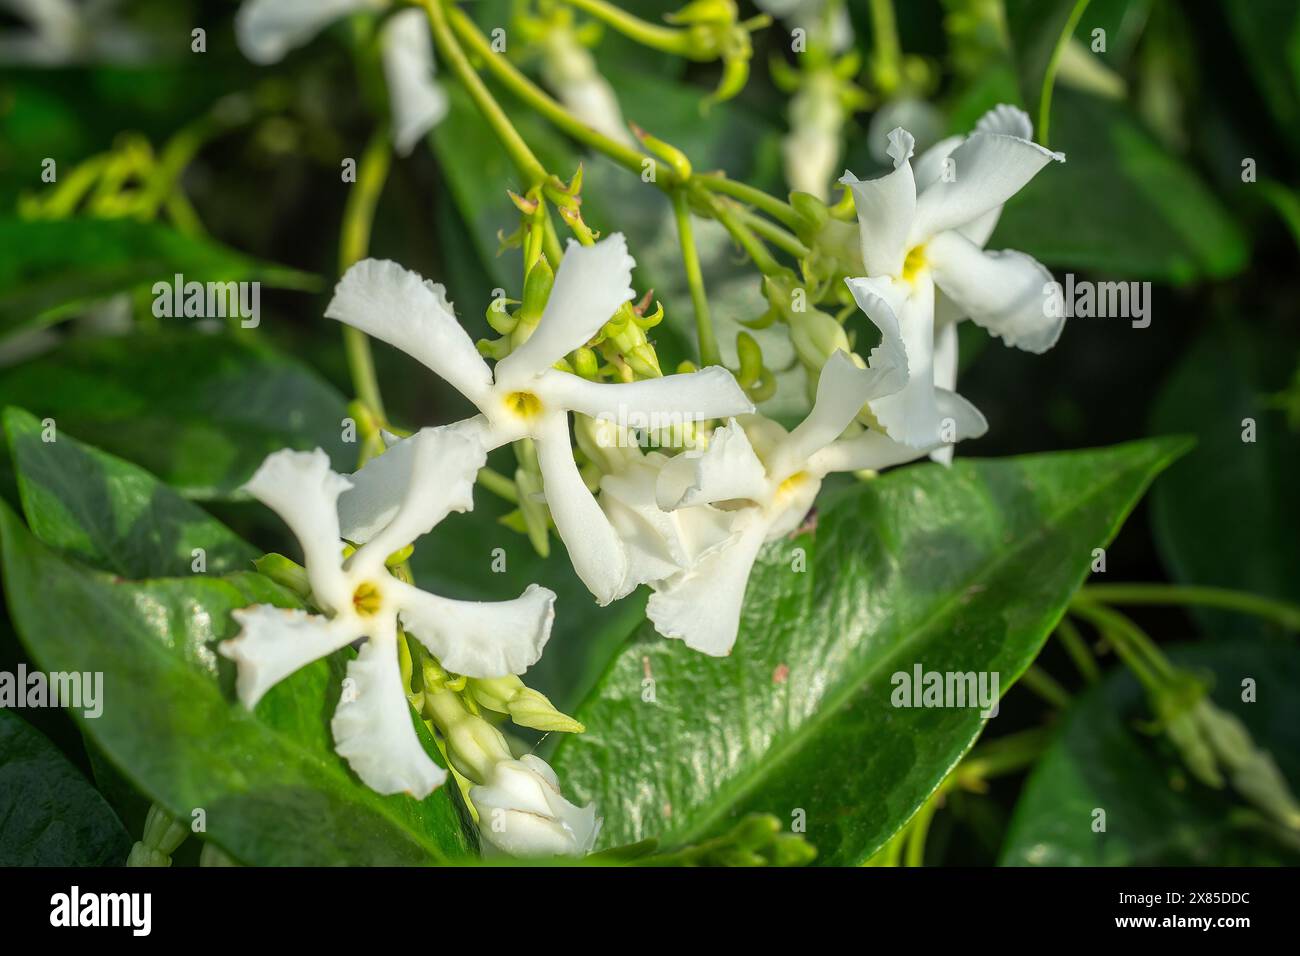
367,600
791,484
914,263
524,404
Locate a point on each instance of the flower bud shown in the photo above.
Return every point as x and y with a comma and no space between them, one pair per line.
522,812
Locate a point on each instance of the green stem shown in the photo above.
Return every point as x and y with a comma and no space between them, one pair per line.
1280,612
709,354
884,29
1049,76
354,242
451,53
667,39
541,102
773,234
779,210
1045,686
498,484
1132,644
747,240
1077,648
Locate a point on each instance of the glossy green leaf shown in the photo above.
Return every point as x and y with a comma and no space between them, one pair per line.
50,815
51,267
1155,813
199,411
270,786
965,569
1227,515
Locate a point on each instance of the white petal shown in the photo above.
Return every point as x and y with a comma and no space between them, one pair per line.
874,450
989,168
444,463
842,390
1007,120
654,403
522,812
702,606
397,306
905,311
302,489
1009,293
372,725
727,470
929,165
416,101
274,642
945,367
886,207
592,101
590,285
381,486
479,638
659,543
268,29
596,553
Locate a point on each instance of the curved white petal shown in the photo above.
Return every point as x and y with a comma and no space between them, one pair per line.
595,551
274,642
398,306
1009,293
728,469
302,489
268,29
590,285
874,450
444,463
1007,120
928,167
702,606
416,101
989,168
945,367
479,638
886,207
522,812
372,725
842,390
655,403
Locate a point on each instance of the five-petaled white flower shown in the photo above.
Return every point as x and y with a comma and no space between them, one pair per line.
752,485
926,227
268,29
524,396
523,813
372,725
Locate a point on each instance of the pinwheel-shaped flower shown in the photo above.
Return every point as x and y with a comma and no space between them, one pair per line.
925,228
268,29
372,725
763,488
524,396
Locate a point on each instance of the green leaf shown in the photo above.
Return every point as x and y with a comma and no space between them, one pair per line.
199,411
49,268
110,513
1119,204
50,815
271,787
1227,515
1156,814
965,569
1268,32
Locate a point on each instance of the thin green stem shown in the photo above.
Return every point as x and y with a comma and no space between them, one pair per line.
773,233
451,53
709,354
1132,644
1045,686
1280,612
747,240
1049,76
354,243
884,30
538,100
1077,648
653,35
918,829
498,484
1002,756
778,209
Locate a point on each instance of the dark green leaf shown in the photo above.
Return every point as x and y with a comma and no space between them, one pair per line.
50,815
48,268
199,411
965,569
1267,31
1156,814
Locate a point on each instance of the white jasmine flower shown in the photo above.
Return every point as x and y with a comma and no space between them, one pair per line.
268,29
764,492
372,725
523,813
925,228
524,396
